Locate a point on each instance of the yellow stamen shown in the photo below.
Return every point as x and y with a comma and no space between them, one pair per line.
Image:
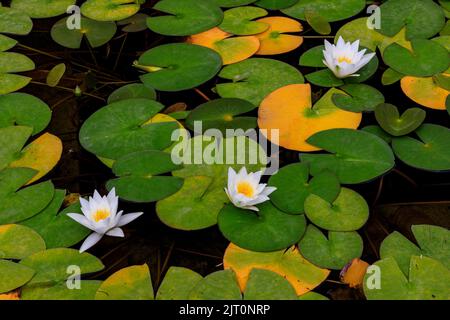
246,189
344,59
100,215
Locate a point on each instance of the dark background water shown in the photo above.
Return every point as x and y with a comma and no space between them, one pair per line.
403,197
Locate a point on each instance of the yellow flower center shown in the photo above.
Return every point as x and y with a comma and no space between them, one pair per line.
246,189
344,59
101,214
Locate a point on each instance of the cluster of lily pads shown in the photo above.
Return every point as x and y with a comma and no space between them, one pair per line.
309,227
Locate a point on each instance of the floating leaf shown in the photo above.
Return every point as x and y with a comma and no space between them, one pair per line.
221,114
431,152
333,251
348,212
275,4
357,157
303,275
358,98
132,91
238,21
185,17
12,140
267,285
97,33
294,186
389,118
24,110
12,82
60,291
140,178
376,130
15,22
109,10
55,75
357,30
6,43
179,66
51,265
121,128
13,275
425,91
232,3
428,280
17,205
290,110
232,49
177,284
254,79
130,283
274,40
219,285
433,242
353,273
37,9
316,21
330,10
18,242
135,23
390,76
268,230
11,62
312,296
57,229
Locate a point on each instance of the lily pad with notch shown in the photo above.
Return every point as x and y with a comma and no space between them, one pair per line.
425,91
179,66
132,91
18,242
275,4
13,275
135,23
10,63
388,117
239,21
268,285
109,10
358,98
38,9
14,22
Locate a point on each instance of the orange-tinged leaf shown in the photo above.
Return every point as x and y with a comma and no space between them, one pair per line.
289,109
13,295
41,155
425,92
303,275
274,41
353,274
231,49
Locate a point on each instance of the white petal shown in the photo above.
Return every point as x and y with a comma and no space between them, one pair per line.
127,218
252,208
231,178
116,232
258,200
340,43
328,47
97,196
113,201
90,241
268,190
81,219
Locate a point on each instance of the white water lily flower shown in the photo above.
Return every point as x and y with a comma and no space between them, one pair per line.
101,216
344,59
244,189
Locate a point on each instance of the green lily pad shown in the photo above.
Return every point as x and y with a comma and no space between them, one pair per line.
359,98
55,75
324,78
139,176
378,131
313,57
132,91
312,296
178,284
122,127
135,23
334,251
185,17
179,66
238,21
12,82
13,275
357,30
390,76
14,22
275,4
268,285
57,229
317,22
60,291
24,110
431,152
37,9
422,18
51,265
12,140
221,114
15,62
6,43
220,285
357,157
267,230
427,58
130,283
109,10
17,205
232,3
328,9
348,212
254,79
97,33
428,280
18,242
294,186
389,118
433,242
